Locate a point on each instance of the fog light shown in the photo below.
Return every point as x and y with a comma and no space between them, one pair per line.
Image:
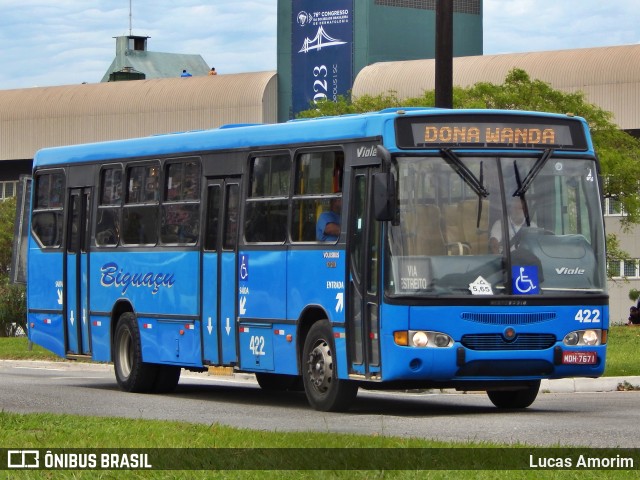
420,339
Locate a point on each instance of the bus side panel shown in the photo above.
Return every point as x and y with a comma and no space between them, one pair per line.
169,341
262,288
45,296
154,284
100,338
263,285
284,343
316,279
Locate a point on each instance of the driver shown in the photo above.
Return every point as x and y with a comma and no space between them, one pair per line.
516,220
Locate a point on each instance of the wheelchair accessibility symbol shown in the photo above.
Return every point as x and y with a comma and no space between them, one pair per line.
525,280
244,267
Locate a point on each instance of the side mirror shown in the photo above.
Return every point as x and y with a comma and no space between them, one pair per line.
384,197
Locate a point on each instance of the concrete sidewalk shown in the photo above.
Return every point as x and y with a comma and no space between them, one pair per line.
602,384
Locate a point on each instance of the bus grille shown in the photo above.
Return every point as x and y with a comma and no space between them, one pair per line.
495,341
508,318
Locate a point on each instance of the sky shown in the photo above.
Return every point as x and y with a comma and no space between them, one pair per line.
63,42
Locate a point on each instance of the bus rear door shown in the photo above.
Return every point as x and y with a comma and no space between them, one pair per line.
75,275
219,272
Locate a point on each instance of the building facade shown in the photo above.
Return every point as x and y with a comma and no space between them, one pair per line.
323,44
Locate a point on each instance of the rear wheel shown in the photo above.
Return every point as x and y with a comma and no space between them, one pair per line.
132,374
325,392
515,398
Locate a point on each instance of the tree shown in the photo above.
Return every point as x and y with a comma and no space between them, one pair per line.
13,311
619,152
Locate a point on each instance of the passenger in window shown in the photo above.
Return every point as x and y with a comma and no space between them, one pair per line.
328,224
151,189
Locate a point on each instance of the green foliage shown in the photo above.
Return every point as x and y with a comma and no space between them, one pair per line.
13,308
622,351
13,312
7,223
619,152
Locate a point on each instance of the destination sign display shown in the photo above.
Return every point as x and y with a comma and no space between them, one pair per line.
490,131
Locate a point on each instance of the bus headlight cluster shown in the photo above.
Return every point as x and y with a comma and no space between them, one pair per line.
422,339
583,337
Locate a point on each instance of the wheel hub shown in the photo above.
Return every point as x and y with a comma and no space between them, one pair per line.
320,367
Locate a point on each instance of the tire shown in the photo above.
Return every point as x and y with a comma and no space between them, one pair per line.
274,382
512,399
132,374
325,392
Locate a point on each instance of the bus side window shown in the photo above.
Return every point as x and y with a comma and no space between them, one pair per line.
140,214
47,210
318,182
180,212
267,205
108,221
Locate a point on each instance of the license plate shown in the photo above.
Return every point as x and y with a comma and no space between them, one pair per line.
579,358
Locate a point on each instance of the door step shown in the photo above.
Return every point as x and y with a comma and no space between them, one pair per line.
77,356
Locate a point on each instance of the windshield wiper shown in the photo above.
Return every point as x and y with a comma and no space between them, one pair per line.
461,169
533,173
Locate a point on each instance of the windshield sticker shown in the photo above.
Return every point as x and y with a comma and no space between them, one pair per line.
480,287
525,280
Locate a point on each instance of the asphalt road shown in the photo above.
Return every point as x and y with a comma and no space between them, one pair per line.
604,419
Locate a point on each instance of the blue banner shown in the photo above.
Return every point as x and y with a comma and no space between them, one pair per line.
322,48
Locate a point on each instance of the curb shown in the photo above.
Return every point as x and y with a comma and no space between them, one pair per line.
583,385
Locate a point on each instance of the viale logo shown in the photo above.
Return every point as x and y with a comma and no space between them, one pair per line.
364,152
570,271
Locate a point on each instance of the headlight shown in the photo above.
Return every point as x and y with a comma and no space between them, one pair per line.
583,337
571,339
590,337
422,339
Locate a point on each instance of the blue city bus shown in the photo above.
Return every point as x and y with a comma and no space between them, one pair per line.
469,254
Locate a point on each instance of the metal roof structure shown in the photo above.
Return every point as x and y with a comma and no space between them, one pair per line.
132,53
34,118
609,76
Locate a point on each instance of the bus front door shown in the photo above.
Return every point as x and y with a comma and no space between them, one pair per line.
219,272
363,326
75,275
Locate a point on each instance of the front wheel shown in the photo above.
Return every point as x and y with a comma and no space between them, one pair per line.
325,392
132,374
515,398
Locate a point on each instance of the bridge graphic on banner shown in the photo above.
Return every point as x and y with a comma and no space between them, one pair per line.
319,41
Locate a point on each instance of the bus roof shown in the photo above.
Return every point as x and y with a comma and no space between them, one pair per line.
252,136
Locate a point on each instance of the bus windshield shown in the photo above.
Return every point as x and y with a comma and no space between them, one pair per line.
495,225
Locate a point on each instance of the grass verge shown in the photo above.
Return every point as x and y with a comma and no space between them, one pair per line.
43,431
